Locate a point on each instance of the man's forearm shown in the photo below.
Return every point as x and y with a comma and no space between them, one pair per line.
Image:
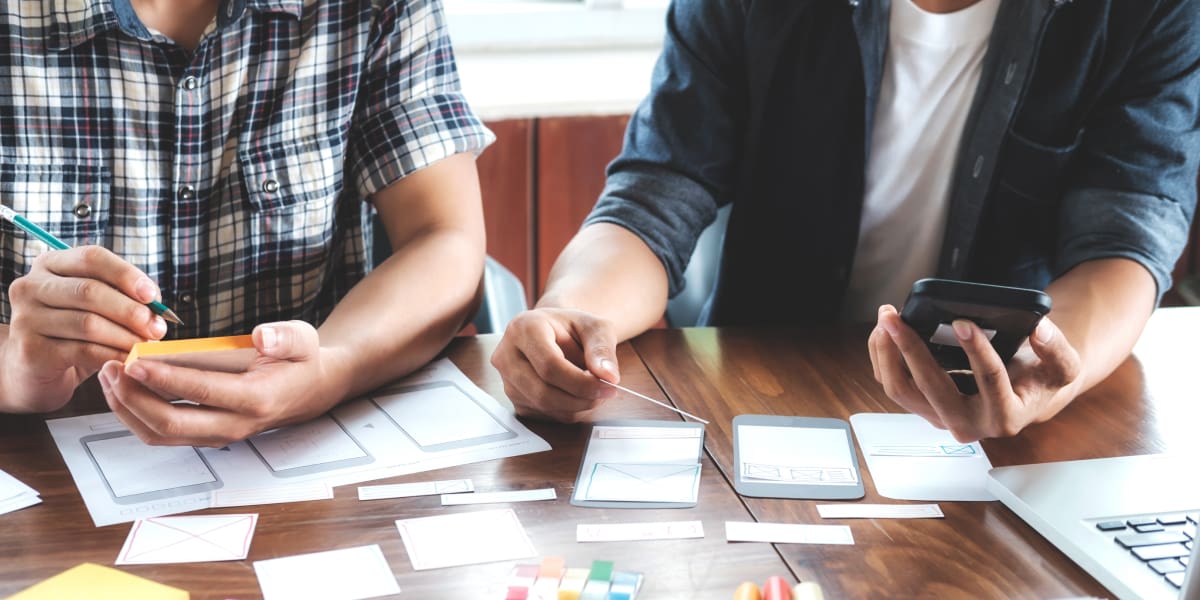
1102,307
404,313
609,272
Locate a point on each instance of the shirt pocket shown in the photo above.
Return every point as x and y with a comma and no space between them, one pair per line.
1015,243
292,189
69,201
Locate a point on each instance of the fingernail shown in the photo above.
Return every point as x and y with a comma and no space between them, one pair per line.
1044,331
158,326
607,365
269,337
962,329
889,326
136,371
146,290
105,384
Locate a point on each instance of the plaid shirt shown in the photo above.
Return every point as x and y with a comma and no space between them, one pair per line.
234,176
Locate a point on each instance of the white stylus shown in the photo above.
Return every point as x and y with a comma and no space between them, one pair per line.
645,397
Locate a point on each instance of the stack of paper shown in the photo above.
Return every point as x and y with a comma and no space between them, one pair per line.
15,495
433,419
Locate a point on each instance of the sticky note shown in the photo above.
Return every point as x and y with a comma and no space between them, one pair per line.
94,582
625,585
231,354
595,590
601,571
572,584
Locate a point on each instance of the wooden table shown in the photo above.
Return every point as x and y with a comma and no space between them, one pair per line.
981,549
38,542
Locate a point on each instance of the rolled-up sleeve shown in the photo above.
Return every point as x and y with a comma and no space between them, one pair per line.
1134,190
679,162
412,112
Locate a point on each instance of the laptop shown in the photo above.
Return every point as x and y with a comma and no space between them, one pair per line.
1130,521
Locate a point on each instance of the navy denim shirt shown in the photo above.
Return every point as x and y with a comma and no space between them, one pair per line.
1082,142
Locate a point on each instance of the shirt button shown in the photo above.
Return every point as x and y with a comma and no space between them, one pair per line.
978,167
190,83
187,192
83,210
270,186
186,298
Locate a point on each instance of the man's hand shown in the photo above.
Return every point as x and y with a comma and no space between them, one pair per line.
550,360
75,310
1042,377
289,382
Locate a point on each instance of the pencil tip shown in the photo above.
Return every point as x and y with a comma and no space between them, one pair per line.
170,315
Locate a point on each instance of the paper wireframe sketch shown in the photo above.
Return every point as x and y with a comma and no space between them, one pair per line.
346,574
640,462
465,539
796,455
643,482
910,459
196,538
939,451
122,479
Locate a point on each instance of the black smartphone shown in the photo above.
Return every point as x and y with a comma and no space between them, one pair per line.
1007,315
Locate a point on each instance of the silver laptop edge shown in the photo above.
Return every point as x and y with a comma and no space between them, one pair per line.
1063,500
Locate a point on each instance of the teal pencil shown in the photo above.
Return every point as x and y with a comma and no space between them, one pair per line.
31,228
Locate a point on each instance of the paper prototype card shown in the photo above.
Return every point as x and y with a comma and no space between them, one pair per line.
465,539
910,459
230,354
779,456
640,464
347,574
194,538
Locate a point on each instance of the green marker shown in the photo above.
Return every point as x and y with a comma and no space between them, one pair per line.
31,228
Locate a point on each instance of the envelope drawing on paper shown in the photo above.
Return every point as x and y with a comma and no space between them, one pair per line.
931,450
644,482
198,538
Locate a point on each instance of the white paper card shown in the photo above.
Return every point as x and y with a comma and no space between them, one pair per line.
15,495
465,539
909,459
880,511
632,532
196,538
420,488
301,492
787,533
495,497
349,574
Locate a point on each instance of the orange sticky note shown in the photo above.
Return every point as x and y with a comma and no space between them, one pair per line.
231,354
94,582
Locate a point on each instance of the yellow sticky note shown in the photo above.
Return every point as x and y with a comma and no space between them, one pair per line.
231,354
94,582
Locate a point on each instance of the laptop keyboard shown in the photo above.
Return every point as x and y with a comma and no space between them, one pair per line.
1161,542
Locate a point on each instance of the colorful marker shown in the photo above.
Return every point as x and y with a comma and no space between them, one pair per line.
807,590
777,588
747,591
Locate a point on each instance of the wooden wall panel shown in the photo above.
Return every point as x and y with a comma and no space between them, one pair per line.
506,176
571,156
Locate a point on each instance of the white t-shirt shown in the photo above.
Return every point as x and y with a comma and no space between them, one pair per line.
932,68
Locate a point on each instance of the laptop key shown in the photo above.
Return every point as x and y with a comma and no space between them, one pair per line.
1149,553
1135,540
1173,520
1148,528
1111,526
1185,560
1176,579
1143,521
1163,566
